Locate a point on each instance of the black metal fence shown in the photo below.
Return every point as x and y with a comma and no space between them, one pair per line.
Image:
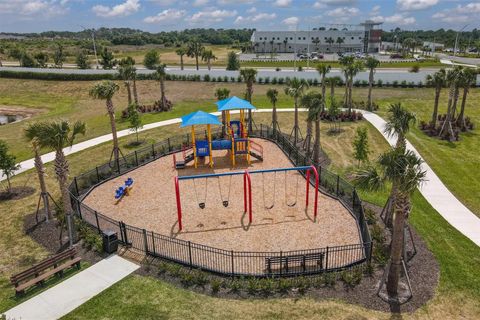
232,263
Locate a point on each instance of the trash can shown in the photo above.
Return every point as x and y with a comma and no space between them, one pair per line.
110,241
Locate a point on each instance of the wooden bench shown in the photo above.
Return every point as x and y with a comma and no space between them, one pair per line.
286,263
38,273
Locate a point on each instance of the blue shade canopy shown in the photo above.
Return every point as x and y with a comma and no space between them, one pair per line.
234,103
198,118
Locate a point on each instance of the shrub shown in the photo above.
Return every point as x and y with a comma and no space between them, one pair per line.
56,76
151,59
260,80
315,82
300,68
380,83
415,68
395,83
225,79
235,285
278,69
274,80
329,279
284,285
215,285
199,278
232,79
266,286
232,61
281,81
403,84
302,285
252,286
267,80
206,78
370,216
351,278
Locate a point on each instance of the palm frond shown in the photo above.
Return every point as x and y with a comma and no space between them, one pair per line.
368,178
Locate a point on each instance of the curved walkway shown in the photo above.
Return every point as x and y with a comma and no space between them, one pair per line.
436,193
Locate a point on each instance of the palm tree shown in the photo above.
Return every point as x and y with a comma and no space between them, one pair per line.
323,69
332,82
295,89
105,91
272,95
452,82
330,41
316,41
467,80
438,80
249,75
399,121
161,75
371,63
339,42
194,50
40,168
58,135
402,168
285,42
208,56
314,101
181,52
346,62
353,70
125,71
311,101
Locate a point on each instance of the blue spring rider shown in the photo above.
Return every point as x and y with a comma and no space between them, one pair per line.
124,190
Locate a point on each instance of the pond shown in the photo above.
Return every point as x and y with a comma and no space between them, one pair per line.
9,118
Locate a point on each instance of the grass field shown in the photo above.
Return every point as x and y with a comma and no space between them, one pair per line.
458,294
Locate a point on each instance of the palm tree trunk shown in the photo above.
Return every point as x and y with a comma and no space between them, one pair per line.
402,207
455,102
61,172
162,95
111,114
435,107
345,98
274,119
196,60
41,179
370,87
181,62
209,65
295,129
332,90
135,95
447,125
323,92
316,144
308,138
350,88
461,116
389,213
129,92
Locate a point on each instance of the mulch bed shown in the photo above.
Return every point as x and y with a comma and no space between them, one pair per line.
16,193
423,270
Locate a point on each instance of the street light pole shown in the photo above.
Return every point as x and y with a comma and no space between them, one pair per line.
456,40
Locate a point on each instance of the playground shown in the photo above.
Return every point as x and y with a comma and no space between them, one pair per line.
152,205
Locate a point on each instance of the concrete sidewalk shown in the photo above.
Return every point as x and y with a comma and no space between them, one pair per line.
73,292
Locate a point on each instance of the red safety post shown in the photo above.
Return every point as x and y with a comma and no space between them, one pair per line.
315,208
179,205
250,215
308,188
245,209
174,161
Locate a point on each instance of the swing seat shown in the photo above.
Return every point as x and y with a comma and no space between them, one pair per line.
202,205
225,203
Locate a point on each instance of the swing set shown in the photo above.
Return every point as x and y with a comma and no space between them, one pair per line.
201,197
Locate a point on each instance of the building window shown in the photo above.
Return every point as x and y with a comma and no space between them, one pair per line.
260,38
278,38
289,47
353,38
303,38
291,38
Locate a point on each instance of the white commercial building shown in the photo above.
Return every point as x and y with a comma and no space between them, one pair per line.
367,39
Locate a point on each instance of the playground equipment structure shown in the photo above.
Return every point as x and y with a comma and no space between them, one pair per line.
247,189
124,190
236,141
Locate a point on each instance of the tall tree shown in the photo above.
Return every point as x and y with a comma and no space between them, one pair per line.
346,62
353,70
220,94
360,145
467,80
332,82
194,50
181,52
314,101
7,164
82,60
40,168
58,55
339,41
438,80
402,168
161,76
323,69
295,89
249,76
107,60
208,56
232,61
105,90
135,120
58,135
272,95
371,63
452,82
125,71
311,101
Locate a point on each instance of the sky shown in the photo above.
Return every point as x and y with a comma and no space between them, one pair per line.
166,15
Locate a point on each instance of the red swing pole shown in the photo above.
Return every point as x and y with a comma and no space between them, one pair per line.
179,204
308,188
315,172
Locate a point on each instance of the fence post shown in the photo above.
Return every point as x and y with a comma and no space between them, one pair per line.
79,206
281,263
233,269
153,244
190,253
118,165
98,224
370,253
121,232
98,175
319,175
261,130
136,158
124,228
354,192
145,240
76,186
338,183
326,260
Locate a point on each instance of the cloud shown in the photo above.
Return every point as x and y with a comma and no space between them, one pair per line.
397,19
473,7
168,15
34,8
375,11
230,2
291,21
252,10
200,3
343,12
460,14
320,4
120,10
282,3
212,16
412,5
255,18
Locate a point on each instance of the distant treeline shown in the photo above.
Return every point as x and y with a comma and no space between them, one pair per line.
138,37
446,37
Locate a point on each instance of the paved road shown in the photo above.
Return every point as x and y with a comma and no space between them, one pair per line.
474,61
386,75
436,193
